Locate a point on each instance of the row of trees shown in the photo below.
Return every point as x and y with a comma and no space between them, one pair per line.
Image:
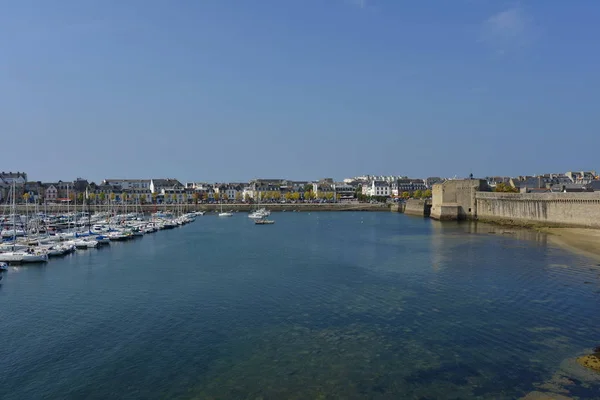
196,197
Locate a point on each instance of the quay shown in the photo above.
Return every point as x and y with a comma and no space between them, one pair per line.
213,207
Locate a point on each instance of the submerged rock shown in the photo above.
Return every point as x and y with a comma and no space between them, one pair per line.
545,396
591,361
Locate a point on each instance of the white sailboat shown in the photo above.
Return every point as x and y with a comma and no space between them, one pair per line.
224,214
20,256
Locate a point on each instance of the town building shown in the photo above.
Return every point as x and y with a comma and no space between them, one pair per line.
128,184
160,185
18,178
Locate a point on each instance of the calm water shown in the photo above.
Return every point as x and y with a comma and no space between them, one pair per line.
317,306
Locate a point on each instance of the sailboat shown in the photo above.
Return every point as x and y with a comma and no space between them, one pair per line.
224,214
20,256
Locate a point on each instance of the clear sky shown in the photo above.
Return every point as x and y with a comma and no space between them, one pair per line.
229,90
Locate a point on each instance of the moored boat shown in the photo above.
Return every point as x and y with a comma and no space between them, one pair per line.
23,257
264,222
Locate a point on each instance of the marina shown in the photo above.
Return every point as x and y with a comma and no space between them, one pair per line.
38,237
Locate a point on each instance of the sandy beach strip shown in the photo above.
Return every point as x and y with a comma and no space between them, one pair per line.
578,240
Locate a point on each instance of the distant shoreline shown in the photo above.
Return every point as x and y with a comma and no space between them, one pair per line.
150,208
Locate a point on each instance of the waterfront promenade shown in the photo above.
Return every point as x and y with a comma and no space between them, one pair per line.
149,208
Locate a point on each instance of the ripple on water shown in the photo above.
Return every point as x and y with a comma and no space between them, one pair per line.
356,306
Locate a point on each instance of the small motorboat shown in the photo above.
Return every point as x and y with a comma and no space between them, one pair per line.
264,222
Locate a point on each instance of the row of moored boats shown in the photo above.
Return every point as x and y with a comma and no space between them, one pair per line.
19,244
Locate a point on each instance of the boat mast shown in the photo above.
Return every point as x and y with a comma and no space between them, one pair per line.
14,214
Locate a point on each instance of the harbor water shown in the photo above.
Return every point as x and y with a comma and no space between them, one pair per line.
317,306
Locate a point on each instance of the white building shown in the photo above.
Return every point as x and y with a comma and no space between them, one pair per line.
377,188
157,185
51,193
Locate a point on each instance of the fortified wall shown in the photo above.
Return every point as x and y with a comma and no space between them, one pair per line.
568,209
455,199
471,199
421,208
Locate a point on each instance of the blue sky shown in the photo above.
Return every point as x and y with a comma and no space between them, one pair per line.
224,90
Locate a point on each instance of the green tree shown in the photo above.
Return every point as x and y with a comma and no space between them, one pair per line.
173,198
418,194
238,197
277,195
124,197
216,196
102,197
112,197
154,196
295,196
310,195
25,197
405,195
196,197
427,193
288,196
224,196
504,188
329,195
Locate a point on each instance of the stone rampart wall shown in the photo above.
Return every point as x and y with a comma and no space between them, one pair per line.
564,209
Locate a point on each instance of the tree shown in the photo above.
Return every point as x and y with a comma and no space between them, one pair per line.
247,198
277,195
329,195
92,196
142,199
308,187
173,198
295,196
26,197
504,188
405,195
418,194
102,197
112,197
238,197
427,193
288,196
216,196
224,196
310,195
204,196
124,197
196,197
154,196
